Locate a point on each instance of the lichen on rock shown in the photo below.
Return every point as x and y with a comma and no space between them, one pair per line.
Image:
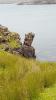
11,40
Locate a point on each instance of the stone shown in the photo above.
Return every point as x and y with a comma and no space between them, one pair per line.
6,49
7,39
2,40
3,29
15,36
27,50
28,39
17,40
6,33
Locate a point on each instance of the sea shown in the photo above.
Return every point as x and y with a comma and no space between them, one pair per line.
39,19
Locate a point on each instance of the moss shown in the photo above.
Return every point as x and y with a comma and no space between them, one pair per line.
13,44
1,46
11,41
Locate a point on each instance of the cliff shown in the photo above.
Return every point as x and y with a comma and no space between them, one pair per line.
21,78
10,42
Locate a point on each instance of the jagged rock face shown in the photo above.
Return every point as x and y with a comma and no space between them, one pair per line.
28,39
2,40
15,36
3,29
27,49
10,42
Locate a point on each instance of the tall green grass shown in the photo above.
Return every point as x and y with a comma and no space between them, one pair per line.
24,79
48,94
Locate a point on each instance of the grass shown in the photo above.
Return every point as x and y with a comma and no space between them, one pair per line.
11,41
48,94
1,46
13,44
25,79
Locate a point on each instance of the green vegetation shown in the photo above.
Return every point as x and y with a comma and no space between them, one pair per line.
12,40
48,94
26,79
13,43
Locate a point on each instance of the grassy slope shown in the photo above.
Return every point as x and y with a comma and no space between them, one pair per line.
48,94
24,79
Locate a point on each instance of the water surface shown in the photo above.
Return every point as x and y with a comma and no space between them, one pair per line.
40,19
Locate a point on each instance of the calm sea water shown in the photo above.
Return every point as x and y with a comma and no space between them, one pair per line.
38,19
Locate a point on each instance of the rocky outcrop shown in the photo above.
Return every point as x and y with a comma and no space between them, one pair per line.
35,2
2,39
10,42
27,49
28,39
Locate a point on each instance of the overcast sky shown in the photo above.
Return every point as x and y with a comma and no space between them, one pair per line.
29,1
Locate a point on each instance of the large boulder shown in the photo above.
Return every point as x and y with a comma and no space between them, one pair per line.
3,29
28,39
6,33
28,51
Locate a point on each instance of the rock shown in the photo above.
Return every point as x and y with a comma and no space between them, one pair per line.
9,40
6,33
2,40
15,36
17,40
11,43
3,29
28,39
28,51
17,51
6,48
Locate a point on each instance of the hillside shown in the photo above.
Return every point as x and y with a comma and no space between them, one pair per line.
22,77
25,79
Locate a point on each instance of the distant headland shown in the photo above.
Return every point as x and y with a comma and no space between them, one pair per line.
28,2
